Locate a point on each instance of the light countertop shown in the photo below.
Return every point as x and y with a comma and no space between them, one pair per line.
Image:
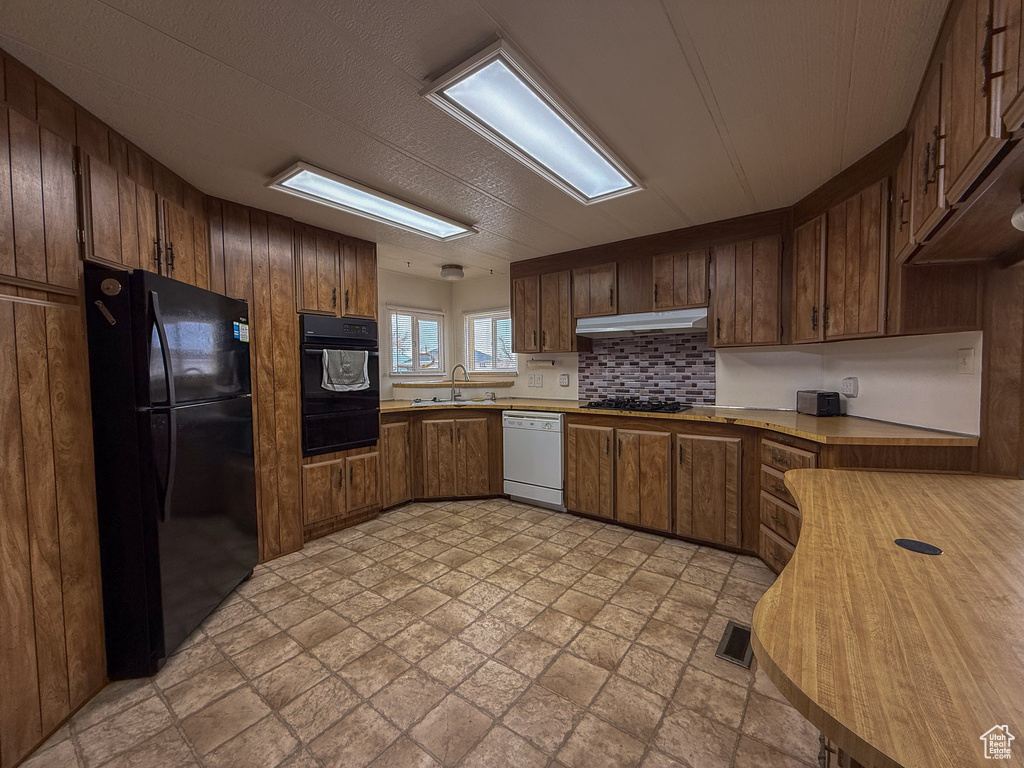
902,659
836,430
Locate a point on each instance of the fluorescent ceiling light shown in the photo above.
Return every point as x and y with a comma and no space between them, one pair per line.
320,186
504,100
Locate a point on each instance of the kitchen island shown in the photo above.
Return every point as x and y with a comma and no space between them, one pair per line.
901,658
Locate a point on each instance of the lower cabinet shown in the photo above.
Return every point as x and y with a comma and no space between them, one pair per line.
340,487
707,488
643,474
589,473
395,450
455,457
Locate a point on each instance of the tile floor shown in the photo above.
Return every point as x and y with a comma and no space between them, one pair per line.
470,634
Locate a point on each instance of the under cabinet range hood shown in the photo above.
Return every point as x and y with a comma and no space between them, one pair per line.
643,323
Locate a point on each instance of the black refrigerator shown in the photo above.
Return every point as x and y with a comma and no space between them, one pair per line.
175,478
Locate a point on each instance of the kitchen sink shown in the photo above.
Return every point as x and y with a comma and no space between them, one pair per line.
455,403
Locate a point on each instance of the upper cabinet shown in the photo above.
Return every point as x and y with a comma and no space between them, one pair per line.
681,280
334,275
37,186
526,314
856,265
808,270
746,300
1009,15
928,197
126,224
594,290
972,85
556,331
902,198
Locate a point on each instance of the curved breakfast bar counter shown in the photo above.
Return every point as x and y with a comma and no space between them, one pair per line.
901,658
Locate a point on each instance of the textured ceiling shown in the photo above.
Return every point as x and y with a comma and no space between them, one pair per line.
721,108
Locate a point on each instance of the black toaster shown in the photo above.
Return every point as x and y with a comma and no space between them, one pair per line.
818,402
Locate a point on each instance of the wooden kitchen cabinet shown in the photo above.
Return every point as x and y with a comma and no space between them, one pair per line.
594,290
903,243
1010,15
396,466
808,272
362,491
472,470
643,474
589,468
971,95
707,488
185,248
438,458
746,297
317,272
556,330
37,184
359,277
526,314
928,197
681,280
856,259
340,487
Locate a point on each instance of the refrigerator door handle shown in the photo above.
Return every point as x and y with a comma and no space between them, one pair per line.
172,463
165,352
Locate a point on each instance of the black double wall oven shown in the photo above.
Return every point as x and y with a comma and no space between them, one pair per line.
336,421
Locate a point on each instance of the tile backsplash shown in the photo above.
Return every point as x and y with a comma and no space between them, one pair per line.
677,367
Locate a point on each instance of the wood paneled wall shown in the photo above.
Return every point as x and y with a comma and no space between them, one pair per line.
252,259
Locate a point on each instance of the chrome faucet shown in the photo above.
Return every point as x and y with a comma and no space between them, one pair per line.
465,373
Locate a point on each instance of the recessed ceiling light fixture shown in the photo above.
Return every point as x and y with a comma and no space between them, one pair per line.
320,186
505,100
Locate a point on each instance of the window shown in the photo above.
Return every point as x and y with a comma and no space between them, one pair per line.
489,342
417,341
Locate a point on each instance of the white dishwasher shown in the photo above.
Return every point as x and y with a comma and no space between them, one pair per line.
533,457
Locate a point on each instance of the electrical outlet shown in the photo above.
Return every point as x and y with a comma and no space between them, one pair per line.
965,361
563,379
849,386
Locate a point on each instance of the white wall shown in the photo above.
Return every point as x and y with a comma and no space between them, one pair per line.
455,299
910,379
412,292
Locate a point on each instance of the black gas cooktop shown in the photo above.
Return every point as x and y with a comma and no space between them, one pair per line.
636,404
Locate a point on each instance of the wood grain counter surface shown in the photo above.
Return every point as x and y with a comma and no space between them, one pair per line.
902,659
838,430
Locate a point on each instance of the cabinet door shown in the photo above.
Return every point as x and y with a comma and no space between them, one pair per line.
928,199
1009,14
526,314
327,272
151,252
322,486
359,272
746,296
707,488
395,472
903,243
643,478
589,470
472,468
681,280
971,97
856,265
438,458
363,482
594,292
556,331
178,236
808,256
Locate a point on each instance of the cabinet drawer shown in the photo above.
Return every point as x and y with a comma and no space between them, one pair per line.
772,481
780,517
785,458
775,551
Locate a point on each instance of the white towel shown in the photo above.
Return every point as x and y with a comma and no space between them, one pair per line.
345,370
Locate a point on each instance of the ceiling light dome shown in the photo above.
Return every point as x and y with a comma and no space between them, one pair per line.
452,272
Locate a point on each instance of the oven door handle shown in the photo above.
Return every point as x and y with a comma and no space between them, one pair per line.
308,351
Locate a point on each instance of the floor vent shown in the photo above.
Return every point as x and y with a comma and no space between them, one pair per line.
735,646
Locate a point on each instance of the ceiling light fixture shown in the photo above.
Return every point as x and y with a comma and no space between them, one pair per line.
1017,217
505,100
452,272
312,183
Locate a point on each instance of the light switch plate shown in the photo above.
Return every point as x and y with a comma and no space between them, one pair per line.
538,380
965,361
